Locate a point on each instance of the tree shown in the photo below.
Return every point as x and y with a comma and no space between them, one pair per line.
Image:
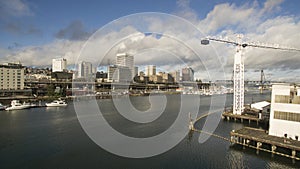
50,90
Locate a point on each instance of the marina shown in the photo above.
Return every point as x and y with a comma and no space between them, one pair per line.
53,137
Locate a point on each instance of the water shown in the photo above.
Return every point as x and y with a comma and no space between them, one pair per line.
53,138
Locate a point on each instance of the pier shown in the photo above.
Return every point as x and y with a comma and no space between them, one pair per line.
260,140
255,138
243,117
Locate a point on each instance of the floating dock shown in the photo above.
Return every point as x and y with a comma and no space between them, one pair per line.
260,140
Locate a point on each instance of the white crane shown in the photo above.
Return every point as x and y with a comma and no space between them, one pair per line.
238,67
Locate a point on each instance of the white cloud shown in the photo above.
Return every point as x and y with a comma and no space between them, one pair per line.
42,55
224,15
224,20
14,8
270,5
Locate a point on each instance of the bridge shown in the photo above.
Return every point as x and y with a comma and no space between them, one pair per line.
109,85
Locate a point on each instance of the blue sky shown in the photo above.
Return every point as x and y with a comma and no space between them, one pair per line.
47,17
32,28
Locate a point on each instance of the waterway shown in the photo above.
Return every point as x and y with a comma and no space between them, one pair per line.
53,138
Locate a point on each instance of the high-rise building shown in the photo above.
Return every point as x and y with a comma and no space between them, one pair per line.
110,73
136,71
176,76
118,74
12,76
285,111
126,60
85,69
150,70
187,74
59,65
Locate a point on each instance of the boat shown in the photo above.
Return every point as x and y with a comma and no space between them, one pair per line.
57,103
33,105
2,107
16,105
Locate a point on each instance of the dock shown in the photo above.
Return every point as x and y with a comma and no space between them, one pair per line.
243,117
260,140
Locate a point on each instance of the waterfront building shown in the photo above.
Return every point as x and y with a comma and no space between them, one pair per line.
156,78
126,60
59,65
62,76
150,70
187,74
167,78
285,111
262,108
12,76
118,74
110,72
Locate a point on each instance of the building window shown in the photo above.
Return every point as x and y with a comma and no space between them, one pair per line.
287,99
296,100
282,99
287,116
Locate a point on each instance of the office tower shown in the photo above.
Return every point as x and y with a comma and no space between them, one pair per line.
59,65
126,60
187,74
150,70
85,69
12,76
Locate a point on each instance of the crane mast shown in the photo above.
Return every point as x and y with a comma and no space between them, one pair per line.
238,80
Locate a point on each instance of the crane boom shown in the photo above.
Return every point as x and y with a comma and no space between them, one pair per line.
252,44
272,47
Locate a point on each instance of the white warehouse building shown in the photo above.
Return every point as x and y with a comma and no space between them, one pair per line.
285,111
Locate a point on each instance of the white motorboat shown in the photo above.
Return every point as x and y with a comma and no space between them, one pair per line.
2,107
57,103
16,105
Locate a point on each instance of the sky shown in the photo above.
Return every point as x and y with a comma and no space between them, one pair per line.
34,32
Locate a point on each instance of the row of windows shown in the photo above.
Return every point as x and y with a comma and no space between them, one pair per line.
18,84
287,99
12,80
10,71
18,88
19,70
287,116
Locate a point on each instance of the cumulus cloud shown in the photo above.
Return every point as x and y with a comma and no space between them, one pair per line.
224,16
175,46
42,55
227,20
74,31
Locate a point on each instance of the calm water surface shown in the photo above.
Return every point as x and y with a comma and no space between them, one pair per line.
53,138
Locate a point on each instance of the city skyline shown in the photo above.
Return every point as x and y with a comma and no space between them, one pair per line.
29,39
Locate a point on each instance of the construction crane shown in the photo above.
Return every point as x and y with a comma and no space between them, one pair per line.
238,67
